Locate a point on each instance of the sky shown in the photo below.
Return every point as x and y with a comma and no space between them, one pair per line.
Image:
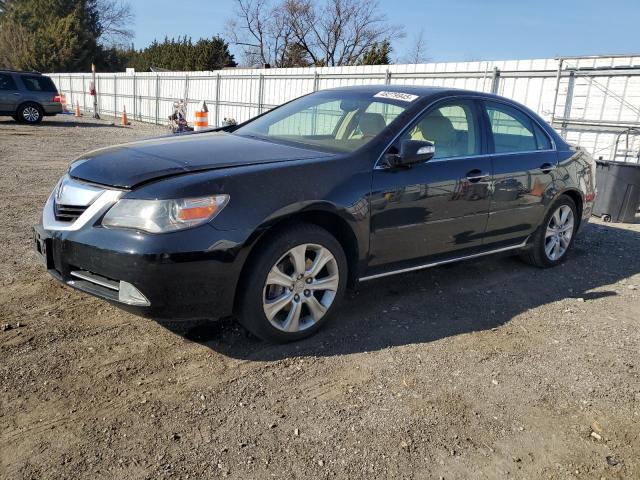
454,30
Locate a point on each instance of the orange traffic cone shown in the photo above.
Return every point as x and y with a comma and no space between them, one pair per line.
202,117
77,109
125,120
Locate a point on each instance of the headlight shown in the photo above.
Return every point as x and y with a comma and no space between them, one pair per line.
159,216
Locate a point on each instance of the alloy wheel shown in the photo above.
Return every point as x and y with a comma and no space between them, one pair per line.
300,287
559,233
30,114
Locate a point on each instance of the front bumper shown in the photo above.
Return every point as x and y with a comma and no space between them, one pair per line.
187,274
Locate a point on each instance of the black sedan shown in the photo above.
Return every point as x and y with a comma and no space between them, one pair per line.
272,219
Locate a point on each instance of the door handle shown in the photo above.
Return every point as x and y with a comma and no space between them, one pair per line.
476,175
16,93
547,167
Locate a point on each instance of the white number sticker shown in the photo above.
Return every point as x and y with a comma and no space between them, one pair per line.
404,97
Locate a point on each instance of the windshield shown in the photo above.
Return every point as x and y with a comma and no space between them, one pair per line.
333,120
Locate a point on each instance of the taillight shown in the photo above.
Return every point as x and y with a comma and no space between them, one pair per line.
57,98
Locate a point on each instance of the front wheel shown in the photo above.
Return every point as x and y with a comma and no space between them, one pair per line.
554,237
293,284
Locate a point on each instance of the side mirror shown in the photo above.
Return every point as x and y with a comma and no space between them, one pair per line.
411,152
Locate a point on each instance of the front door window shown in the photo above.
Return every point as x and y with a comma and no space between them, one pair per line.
452,129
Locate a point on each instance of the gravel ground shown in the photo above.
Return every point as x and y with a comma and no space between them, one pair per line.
485,369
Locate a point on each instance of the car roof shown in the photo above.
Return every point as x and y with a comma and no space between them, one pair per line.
427,92
420,90
6,70
414,89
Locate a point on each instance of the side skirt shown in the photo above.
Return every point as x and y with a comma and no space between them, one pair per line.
444,261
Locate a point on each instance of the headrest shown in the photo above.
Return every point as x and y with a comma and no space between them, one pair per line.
437,128
371,124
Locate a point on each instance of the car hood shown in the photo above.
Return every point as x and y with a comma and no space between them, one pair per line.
130,164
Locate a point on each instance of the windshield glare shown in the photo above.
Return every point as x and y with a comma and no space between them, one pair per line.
338,121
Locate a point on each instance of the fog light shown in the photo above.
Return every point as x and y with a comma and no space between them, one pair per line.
131,295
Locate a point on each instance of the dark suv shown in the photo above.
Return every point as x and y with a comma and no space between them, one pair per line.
271,220
28,96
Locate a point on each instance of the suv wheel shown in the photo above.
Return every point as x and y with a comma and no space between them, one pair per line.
554,237
30,113
293,284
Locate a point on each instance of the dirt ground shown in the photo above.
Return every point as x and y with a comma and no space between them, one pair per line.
488,369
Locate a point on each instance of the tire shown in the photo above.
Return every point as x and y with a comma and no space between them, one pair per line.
298,306
559,242
30,113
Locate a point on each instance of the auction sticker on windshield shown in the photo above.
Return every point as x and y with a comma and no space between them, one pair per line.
404,97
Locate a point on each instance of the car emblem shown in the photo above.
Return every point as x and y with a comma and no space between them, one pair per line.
60,191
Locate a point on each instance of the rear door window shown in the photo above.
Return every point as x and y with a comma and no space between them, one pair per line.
542,139
7,82
38,83
514,131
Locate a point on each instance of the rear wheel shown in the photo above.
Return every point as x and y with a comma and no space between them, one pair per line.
553,239
293,285
30,113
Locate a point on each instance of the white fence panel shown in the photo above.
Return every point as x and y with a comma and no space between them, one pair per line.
589,100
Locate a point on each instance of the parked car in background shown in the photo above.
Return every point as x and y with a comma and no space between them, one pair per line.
272,219
28,96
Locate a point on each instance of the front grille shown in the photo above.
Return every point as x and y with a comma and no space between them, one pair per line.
67,213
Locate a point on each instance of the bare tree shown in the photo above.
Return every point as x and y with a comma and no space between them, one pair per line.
418,51
262,29
331,32
339,32
115,18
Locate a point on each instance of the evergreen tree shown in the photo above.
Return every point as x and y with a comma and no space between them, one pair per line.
56,35
182,54
65,36
295,55
378,54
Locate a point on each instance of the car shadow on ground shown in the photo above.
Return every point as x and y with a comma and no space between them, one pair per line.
432,304
67,123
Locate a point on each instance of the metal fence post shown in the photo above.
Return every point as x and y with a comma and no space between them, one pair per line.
387,79
98,89
135,102
218,99
316,81
186,89
84,95
260,93
557,92
157,97
567,103
115,96
495,81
